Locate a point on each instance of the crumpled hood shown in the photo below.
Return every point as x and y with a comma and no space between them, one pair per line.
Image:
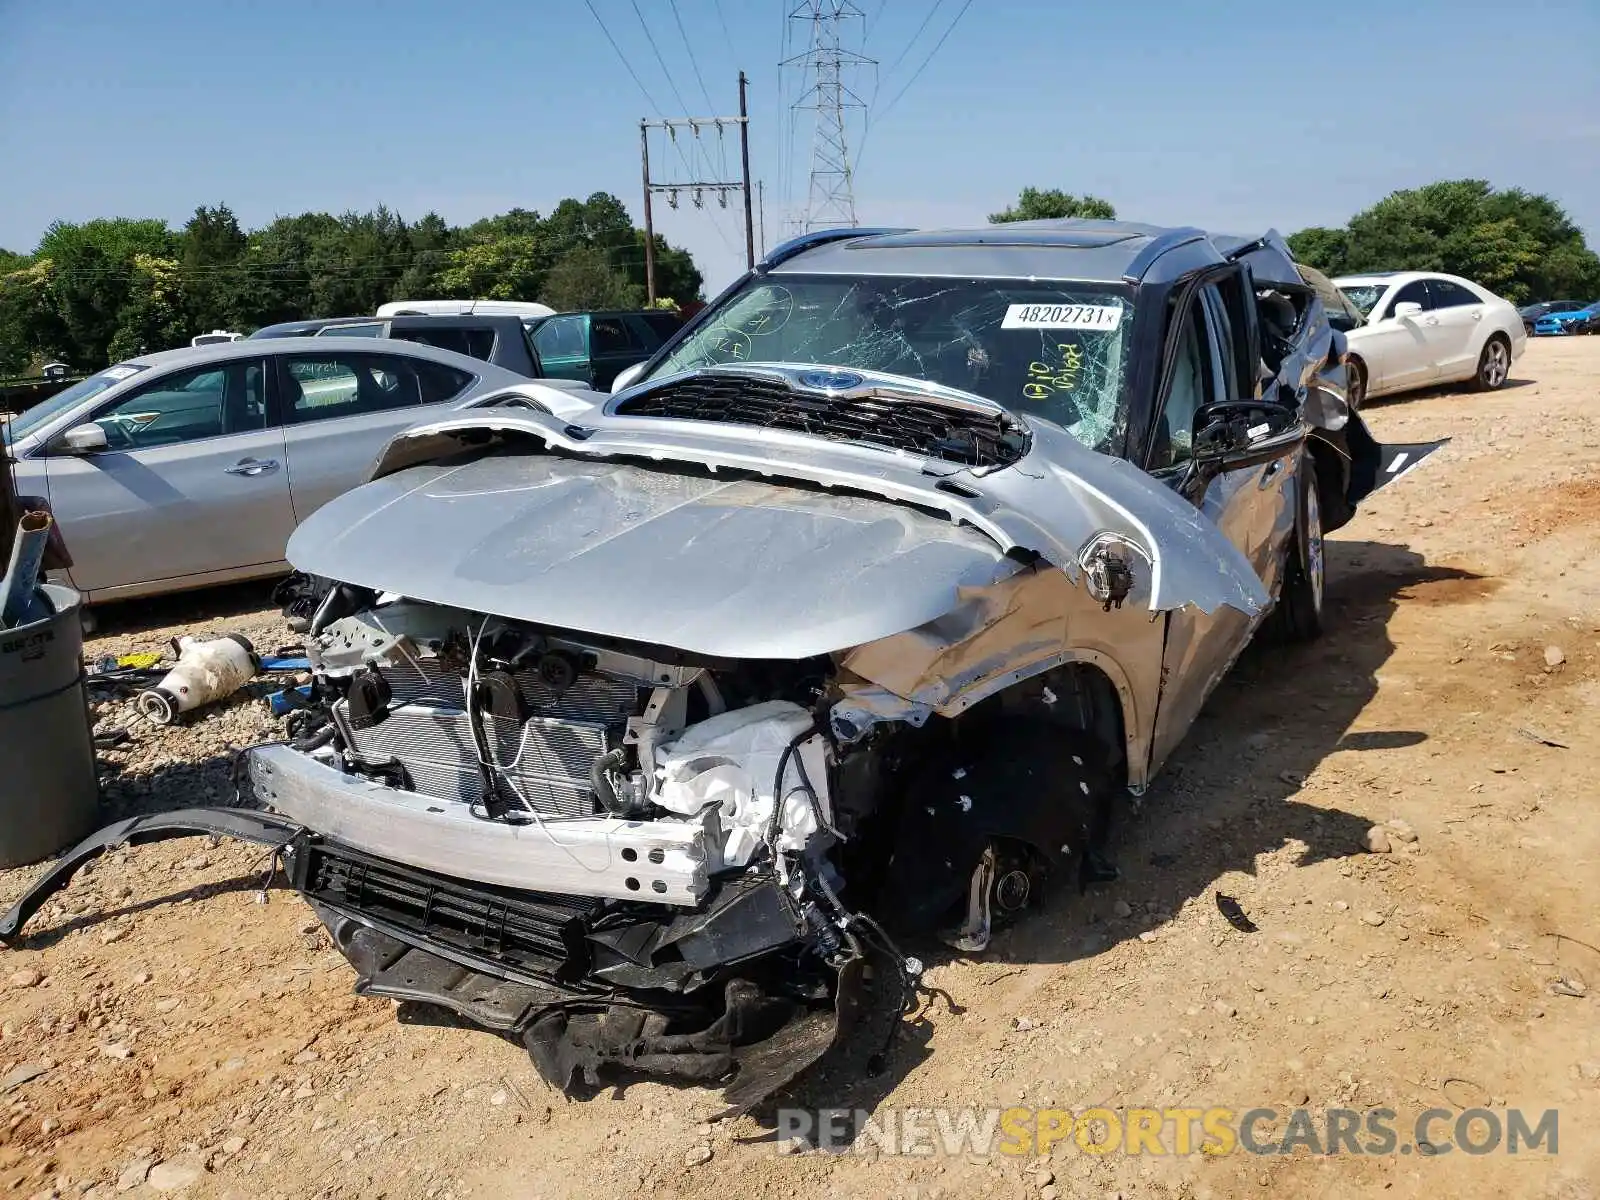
726,568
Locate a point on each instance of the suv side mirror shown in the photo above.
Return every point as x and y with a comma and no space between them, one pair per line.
88,438
1406,308
626,378
1231,434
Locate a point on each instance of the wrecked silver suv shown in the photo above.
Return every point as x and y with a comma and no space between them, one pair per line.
856,612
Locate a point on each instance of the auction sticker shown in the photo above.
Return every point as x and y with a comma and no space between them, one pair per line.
1062,316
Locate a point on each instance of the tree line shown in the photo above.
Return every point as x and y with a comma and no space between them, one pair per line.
1519,245
104,290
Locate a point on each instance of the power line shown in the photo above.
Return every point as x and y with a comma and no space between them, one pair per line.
651,38
871,23
915,75
693,62
906,49
723,20
644,91
888,108
722,149
784,139
677,95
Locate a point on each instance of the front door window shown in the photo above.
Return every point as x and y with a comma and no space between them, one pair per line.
202,402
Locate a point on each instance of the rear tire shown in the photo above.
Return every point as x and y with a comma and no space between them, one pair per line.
1298,616
1494,364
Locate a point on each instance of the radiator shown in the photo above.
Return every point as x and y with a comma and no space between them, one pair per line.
545,761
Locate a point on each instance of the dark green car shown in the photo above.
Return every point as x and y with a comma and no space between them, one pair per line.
594,347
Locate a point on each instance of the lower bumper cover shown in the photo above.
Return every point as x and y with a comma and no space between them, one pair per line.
510,963
245,824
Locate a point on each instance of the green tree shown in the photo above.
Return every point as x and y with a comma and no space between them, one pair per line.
1320,247
108,288
357,262
431,239
156,314
599,221
676,274
119,238
516,222
279,262
1035,204
214,284
505,268
1519,245
584,279
29,327
91,275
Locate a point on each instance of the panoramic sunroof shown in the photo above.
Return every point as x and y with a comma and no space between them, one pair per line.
1001,235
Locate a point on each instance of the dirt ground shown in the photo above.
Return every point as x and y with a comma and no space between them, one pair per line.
182,1037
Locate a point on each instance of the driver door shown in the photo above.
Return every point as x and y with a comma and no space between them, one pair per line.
1252,506
1400,352
191,483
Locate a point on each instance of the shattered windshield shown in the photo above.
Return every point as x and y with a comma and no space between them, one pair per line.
1047,349
1364,296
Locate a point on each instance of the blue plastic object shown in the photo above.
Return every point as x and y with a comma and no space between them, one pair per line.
280,702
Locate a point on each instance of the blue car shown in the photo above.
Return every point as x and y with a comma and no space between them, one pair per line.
1575,320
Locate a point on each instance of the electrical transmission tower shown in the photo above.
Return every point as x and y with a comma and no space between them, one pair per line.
830,199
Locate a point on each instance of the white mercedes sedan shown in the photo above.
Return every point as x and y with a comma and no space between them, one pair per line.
1422,328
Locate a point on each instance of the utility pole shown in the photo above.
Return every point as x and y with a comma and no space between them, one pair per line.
649,225
697,188
744,155
761,189
830,199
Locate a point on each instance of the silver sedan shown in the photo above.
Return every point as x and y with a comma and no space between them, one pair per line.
192,467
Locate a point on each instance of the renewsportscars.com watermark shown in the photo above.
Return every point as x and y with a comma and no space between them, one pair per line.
928,1132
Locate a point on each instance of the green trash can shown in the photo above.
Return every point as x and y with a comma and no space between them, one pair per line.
49,790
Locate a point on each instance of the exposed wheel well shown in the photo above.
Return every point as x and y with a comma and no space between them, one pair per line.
1078,696
1333,484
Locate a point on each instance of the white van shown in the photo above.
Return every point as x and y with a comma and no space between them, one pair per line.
214,337
526,309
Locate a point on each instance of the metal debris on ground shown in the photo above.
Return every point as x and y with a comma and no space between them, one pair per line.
1543,739
1235,915
1570,984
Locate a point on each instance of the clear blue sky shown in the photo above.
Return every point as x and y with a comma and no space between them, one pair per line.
1232,116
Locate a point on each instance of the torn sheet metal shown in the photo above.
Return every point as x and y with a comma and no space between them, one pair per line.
996,637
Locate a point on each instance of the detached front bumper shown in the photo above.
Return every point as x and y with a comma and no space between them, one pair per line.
729,992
